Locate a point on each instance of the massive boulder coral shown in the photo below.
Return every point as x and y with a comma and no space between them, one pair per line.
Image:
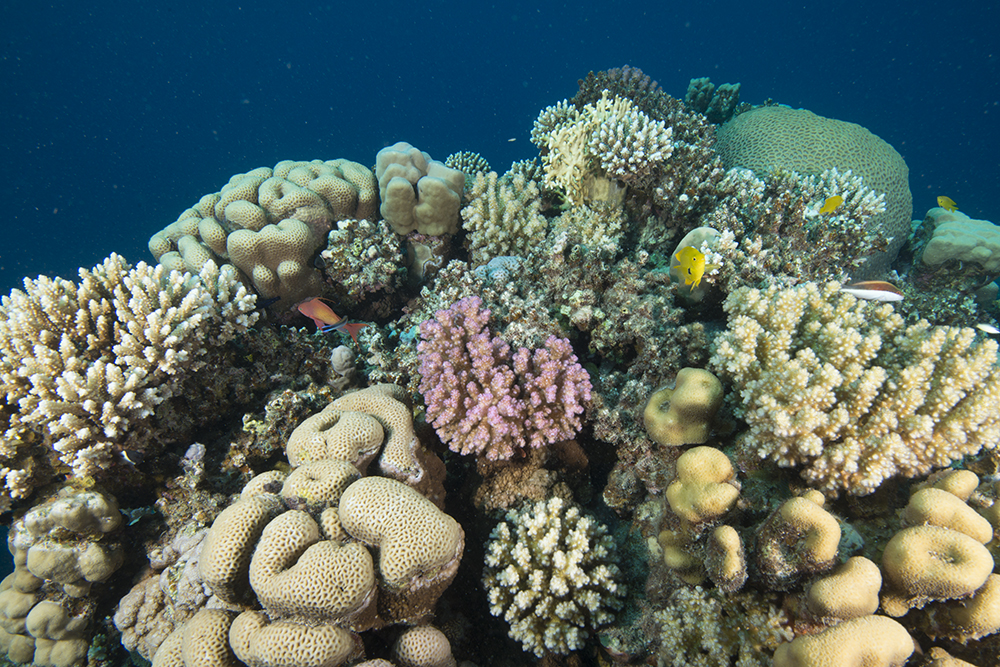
779,138
551,573
842,388
61,548
418,193
483,399
270,223
84,363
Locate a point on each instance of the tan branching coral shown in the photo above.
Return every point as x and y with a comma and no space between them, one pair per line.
502,216
842,388
83,363
608,140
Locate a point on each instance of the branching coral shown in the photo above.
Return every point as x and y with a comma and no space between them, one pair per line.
772,229
502,216
83,362
481,398
551,573
843,389
586,151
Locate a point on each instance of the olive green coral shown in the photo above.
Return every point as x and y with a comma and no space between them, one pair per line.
843,389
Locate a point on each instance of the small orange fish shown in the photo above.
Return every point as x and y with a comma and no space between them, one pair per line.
832,204
327,320
692,265
947,203
873,290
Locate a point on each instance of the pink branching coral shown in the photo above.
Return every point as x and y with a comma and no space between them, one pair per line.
482,399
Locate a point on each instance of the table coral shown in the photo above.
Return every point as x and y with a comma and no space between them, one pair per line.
842,388
483,399
551,573
83,363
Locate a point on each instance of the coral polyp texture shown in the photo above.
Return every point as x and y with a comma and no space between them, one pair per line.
779,138
483,398
418,193
270,223
83,363
842,389
551,573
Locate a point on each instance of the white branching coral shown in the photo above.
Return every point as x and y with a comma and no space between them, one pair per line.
551,573
83,361
842,388
608,140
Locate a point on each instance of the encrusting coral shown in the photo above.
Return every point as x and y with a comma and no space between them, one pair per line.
842,388
84,364
551,573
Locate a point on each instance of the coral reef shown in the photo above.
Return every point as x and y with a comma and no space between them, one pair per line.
845,390
550,573
483,399
776,137
86,365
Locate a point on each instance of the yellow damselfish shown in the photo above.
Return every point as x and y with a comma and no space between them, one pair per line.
947,203
832,204
692,265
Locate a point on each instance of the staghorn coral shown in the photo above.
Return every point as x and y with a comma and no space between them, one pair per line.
550,573
84,363
843,389
502,217
483,399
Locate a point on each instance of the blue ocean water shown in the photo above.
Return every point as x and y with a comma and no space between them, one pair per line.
119,115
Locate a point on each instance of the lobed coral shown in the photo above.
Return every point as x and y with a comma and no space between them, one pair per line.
843,389
551,573
270,223
83,364
418,193
483,399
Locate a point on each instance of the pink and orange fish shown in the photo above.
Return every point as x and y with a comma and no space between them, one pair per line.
327,320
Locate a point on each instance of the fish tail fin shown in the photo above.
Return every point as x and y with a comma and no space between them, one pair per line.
353,328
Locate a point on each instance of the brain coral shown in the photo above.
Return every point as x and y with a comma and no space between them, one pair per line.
844,389
777,137
551,573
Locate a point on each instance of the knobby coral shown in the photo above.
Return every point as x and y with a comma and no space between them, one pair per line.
483,398
550,572
82,363
844,389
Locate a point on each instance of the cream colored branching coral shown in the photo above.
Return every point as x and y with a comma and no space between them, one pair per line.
82,362
502,217
610,139
843,389
551,573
